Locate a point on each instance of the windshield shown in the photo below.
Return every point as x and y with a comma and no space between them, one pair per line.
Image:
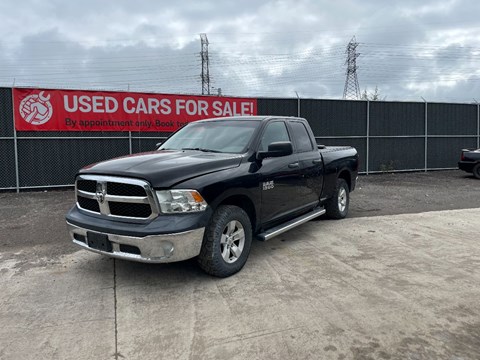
232,136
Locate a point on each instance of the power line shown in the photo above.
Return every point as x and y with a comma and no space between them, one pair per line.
261,71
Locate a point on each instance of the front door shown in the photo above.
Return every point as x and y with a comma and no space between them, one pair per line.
279,176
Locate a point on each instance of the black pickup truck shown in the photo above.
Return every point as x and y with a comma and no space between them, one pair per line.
209,189
470,161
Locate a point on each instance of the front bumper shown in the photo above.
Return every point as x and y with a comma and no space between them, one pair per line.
152,248
164,239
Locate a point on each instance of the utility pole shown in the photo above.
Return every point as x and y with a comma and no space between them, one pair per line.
352,89
205,75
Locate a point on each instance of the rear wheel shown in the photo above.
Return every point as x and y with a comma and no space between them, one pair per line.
337,205
476,171
227,241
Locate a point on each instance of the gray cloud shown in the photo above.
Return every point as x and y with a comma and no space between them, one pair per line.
270,48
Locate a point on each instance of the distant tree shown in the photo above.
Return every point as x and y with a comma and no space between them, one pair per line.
375,96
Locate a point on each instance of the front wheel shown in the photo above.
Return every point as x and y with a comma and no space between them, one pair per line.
226,243
337,205
476,171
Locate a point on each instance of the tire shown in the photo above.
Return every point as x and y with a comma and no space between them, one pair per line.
337,205
476,171
218,256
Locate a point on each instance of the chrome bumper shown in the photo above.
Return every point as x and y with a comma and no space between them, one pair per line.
150,249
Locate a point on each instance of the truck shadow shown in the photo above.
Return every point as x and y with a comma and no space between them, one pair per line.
184,273
129,273
168,274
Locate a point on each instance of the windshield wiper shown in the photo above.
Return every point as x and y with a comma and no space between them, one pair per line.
202,149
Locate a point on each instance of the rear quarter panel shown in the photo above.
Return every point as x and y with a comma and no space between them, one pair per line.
337,159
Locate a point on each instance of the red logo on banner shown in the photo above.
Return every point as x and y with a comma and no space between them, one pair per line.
36,109
73,110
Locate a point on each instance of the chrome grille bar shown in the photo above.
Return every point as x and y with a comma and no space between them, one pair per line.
131,207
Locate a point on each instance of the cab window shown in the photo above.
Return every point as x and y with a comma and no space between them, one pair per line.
274,132
302,139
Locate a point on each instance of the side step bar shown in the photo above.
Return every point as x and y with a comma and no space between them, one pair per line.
270,233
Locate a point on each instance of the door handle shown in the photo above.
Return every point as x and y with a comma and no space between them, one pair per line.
293,165
317,161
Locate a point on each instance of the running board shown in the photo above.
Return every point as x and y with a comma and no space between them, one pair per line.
277,230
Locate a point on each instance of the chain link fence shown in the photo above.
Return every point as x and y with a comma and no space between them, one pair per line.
389,136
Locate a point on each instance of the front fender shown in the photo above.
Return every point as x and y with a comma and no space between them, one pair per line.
218,187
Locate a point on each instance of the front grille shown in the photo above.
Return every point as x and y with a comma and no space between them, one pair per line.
133,210
87,185
116,197
121,189
88,204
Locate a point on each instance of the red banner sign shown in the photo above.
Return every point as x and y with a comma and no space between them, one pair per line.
72,110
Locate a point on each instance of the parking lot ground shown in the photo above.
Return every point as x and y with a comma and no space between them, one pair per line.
35,220
382,287
401,193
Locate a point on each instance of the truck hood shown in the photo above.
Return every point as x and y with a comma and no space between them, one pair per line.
165,168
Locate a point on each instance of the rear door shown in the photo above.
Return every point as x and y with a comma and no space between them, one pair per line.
310,161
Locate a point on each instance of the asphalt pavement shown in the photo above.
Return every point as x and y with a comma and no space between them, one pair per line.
373,286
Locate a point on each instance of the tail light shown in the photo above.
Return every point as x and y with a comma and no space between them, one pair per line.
462,158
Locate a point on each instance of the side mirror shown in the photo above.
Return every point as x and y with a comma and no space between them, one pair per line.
157,145
276,149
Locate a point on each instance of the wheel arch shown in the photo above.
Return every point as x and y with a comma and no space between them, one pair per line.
241,200
346,175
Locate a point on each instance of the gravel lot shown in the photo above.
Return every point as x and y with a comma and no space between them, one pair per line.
36,219
405,193
382,284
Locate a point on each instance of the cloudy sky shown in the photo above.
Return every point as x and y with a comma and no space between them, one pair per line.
408,49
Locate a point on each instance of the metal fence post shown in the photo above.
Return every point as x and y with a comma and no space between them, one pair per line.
367,160
130,142
478,125
426,134
298,104
15,144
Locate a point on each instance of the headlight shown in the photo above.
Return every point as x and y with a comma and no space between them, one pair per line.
180,201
